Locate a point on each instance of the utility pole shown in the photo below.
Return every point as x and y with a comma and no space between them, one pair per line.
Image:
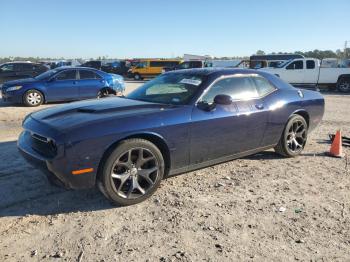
345,49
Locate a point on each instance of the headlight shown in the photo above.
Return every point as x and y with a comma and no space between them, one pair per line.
13,88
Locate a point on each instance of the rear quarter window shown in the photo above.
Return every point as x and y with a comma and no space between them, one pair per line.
263,86
310,64
87,74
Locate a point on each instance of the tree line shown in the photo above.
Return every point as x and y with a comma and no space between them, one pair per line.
320,54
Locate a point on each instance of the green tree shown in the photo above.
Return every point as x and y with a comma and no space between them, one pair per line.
260,52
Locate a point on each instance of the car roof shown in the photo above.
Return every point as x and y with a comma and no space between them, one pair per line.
76,67
20,62
216,71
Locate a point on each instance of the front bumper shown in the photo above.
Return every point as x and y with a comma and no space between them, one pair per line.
11,97
54,167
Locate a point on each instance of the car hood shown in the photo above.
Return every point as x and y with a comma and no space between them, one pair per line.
77,114
19,82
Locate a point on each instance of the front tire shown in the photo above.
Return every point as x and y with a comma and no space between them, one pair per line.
132,172
343,85
294,136
33,98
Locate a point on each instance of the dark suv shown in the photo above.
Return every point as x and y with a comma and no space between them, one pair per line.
18,70
185,65
116,67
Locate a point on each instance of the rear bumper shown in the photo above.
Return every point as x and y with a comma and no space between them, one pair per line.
55,169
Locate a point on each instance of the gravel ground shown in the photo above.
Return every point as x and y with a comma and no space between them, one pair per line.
261,207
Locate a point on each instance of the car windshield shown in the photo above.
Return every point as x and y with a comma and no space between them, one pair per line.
173,88
282,64
46,75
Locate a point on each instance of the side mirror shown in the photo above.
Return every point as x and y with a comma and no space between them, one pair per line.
52,79
222,100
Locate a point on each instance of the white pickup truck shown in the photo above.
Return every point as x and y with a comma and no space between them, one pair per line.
309,72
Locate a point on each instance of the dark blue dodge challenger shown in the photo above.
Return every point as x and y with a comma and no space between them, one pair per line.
180,121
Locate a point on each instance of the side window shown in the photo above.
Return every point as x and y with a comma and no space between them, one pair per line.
174,63
87,74
263,86
154,64
184,65
196,64
142,65
310,64
27,67
295,65
66,75
239,88
7,68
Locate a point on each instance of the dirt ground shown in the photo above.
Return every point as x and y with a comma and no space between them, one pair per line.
259,208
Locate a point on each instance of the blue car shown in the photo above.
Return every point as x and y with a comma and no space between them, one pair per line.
62,84
180,121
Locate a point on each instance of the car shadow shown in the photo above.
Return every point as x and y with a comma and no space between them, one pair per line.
264,155
25,190
7,104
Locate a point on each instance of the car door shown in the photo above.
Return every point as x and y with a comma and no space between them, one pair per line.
89,84
311,72
294,72
26,70
63,86
228,129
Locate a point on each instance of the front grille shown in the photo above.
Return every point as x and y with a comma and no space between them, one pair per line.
43,145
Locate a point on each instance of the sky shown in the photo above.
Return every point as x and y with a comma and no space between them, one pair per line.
161,28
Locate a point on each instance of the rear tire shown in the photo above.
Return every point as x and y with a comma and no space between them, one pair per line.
343,85
294,137
132,172
137,77
33,98
102,93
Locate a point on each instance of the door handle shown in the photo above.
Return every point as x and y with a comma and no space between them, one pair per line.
75,82
259,106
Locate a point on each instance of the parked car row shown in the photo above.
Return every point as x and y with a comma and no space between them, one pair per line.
154,67
62,84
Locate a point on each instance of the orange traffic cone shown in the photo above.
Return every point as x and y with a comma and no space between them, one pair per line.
337,147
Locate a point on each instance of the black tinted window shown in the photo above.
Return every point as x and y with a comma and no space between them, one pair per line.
171,63
86,74
196,64
163,63
40,68
185,65
310,64
263,86
296,65
239,88
157,63
66,75
26,67
8,68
